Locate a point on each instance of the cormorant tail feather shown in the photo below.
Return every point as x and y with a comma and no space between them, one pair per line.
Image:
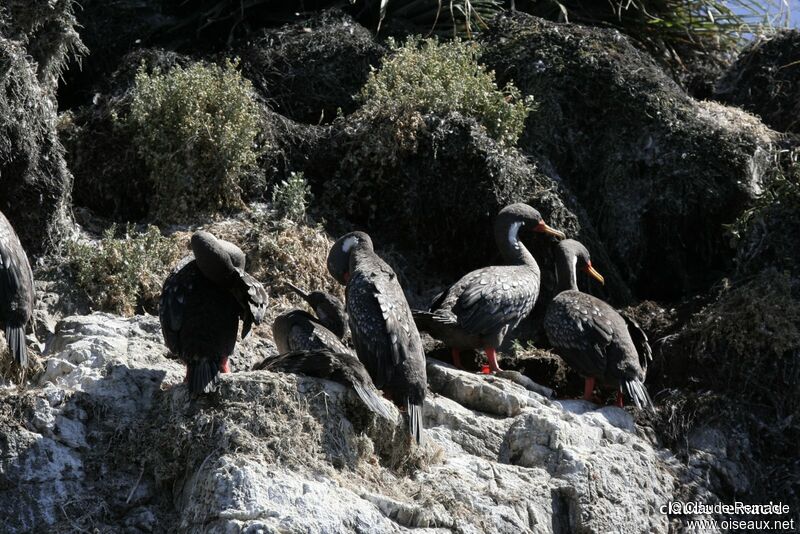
15,337
636,391
202,375
415,422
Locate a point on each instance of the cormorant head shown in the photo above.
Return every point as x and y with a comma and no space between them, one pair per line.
339,256
515,217
577,257
207,248
329,310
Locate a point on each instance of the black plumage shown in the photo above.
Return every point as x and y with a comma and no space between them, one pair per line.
223,263
308,345
343,367
17,295
200,315
479,310
592,337
297,330
329,310
381,324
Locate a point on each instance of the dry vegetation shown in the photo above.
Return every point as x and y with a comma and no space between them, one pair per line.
123,273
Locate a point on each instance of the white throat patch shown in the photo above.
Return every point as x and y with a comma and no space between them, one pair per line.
348,243
513,231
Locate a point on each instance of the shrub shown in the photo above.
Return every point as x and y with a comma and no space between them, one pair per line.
123,275
196,130
290,197
425,76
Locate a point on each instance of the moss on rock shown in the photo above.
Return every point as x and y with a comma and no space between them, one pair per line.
765,80
35,184
312,69
658,172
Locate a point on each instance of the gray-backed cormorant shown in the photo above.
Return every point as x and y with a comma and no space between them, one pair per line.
17,293
479,310
201,303
381,324
592,337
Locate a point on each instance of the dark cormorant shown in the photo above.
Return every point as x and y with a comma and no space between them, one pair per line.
381,324
201,303
298,330
592,337
329,310
479,310
17,295
308,345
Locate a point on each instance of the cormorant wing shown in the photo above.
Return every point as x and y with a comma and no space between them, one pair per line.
380,321
580,327
491,299
174,297
253,299
343,367
15,283
640,341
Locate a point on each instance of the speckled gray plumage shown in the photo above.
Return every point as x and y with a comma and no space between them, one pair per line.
17,294
592,337
381,324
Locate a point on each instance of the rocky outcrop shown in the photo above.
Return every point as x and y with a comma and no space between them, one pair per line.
765,80
441,186
35,184
110,438
658,172
312,70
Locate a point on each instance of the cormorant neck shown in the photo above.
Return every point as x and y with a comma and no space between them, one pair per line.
566,272
512,249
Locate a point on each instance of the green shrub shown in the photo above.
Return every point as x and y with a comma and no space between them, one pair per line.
425,76
196,130
123,275
290,197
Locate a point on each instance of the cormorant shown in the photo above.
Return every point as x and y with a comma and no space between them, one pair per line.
592,337
17,295
201,303
381,324
479,310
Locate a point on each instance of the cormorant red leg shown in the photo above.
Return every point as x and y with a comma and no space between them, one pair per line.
225,366
492,355
588,388
456,358
619,399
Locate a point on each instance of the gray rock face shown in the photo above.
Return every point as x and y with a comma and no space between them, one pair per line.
110,439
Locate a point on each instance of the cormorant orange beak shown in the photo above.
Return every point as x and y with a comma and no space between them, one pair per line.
543,228
594,274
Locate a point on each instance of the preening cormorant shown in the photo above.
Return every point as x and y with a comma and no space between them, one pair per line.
479,310
297,330
201,303
312,346
381,324
592,337
17,295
